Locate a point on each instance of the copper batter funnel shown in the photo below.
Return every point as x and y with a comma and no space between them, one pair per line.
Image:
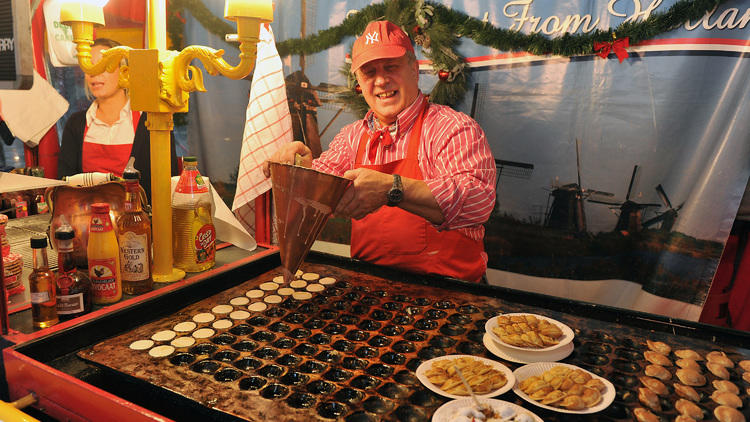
304,199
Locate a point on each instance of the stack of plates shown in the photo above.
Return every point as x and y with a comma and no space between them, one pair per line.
518,354
453,409
13,266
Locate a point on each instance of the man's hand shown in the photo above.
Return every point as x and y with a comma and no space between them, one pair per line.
366,194
285,155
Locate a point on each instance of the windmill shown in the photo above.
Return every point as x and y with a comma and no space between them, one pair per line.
668,217
631,212
567,210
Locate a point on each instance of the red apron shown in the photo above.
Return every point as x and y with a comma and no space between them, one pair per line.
107,158
397,238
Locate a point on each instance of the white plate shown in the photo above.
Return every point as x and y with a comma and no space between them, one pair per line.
445,412
518,356
564,340
426,365
534,369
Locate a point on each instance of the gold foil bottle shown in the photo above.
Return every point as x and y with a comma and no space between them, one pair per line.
42,286
193,232
103,256
73,285
134,238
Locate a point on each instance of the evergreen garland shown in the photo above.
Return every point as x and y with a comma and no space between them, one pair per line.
176,25
436,28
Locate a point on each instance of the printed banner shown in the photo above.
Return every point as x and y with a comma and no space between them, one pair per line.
619,177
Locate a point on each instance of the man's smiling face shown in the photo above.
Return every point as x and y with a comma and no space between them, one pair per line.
389,85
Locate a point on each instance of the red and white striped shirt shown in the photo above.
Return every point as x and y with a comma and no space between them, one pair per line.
454,156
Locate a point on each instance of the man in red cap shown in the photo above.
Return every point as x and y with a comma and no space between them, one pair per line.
422,174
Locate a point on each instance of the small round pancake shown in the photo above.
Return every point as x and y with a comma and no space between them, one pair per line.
298,284
279,279
180,342
272,299
268,286
222,309
164,335
161,351
184,327
239,301
203,317
298,273
285,291
222,324
310,276
255,293
141,344
239,315
302,295
203,333
327,280
315,287
257,307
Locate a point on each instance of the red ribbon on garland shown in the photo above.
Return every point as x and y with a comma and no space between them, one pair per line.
618,46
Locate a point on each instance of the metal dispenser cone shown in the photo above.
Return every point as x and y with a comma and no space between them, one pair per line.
304,199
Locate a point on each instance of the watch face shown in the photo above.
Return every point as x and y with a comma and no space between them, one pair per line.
395,196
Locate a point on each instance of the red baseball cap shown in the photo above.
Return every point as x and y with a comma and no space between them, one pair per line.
380,40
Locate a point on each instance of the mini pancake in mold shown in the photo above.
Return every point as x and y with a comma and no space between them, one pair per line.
141,344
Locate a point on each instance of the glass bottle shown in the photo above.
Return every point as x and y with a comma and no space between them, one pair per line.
73,286
134,238
103,257
193,232
42,286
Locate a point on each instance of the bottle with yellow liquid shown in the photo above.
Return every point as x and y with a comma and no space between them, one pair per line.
42,286
193,232
103,257
134,238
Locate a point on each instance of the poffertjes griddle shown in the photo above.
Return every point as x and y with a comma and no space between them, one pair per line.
350,350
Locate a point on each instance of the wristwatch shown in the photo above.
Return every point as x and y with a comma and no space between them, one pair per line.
396,193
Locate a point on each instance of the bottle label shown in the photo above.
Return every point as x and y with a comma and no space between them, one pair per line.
102,273
70,304
191,181
205,243
42,208
134,256
64,281
40,297
22,209
100,223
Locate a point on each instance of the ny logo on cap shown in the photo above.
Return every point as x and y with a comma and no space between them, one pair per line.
372,37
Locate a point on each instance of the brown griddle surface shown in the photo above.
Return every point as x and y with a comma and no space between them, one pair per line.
351,352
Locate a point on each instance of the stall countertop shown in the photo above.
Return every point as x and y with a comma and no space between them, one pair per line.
21,328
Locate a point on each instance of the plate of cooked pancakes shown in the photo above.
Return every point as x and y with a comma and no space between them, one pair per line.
528,332
563,388
486,377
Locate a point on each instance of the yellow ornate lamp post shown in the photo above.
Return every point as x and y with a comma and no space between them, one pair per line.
160,82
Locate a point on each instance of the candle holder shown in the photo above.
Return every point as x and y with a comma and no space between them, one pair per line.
160,82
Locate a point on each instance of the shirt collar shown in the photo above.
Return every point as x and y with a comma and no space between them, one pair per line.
405,118
125,113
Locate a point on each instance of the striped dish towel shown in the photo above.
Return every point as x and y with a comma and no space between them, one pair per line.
268,126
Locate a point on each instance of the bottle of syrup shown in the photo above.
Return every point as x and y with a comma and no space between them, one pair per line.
42,286
134,238
193,231
73,285
103,257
